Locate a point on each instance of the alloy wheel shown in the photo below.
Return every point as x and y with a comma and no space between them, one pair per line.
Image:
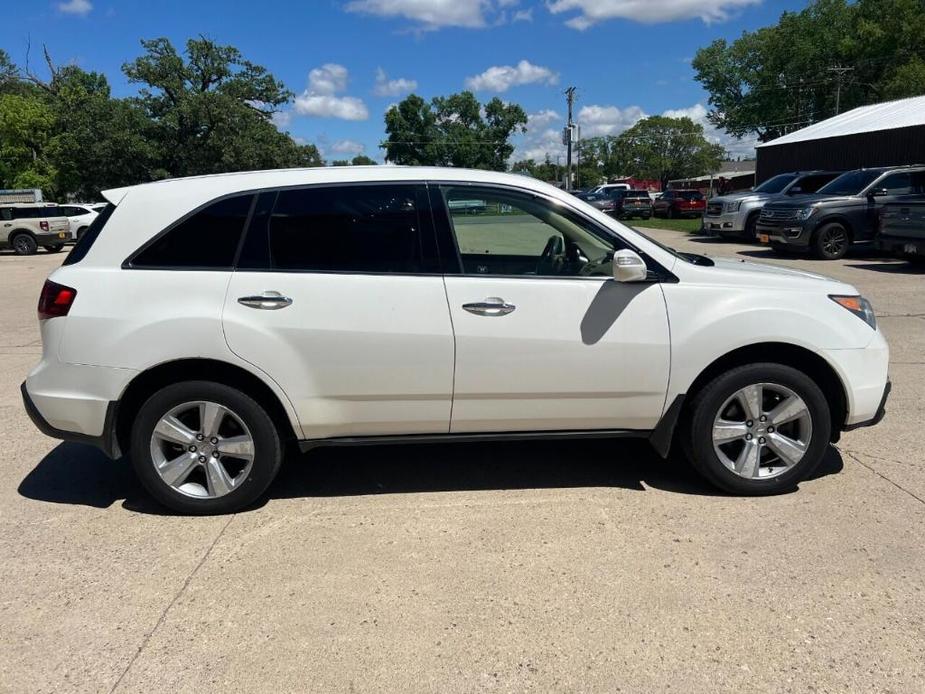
762,430
834,241
202,449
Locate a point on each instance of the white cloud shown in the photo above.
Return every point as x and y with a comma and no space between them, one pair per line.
591,12
348,147
736,147
523,15
430,14
79,7
397,87
543,137
607,120
281,119
500,78
321,100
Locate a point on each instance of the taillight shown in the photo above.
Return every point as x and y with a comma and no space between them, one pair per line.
43,225
56,300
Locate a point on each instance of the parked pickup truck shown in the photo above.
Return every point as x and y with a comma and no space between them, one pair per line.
902,229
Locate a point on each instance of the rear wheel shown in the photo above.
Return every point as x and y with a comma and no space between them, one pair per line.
24,244
204,448
54,247
831,242
758,429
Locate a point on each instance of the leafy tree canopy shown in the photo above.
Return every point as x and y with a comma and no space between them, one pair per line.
455,130
779,78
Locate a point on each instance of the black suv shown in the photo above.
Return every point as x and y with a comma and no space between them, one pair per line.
841,213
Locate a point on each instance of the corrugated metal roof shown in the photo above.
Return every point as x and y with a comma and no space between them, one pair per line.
903,113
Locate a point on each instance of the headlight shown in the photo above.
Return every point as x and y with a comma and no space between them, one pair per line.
859,306
805,213
733,206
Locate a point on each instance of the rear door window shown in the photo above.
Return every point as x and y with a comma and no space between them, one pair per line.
207,239
350,228
82,247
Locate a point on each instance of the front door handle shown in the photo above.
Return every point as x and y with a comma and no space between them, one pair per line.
492,306
268,301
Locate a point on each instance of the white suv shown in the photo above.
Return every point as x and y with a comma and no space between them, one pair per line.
202,324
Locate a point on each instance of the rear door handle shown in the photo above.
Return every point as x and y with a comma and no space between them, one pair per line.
268,301
492,306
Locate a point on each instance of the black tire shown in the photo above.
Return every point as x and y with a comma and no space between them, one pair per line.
54,247
831,241
24,243
751,228
697,428
81,232
647,216
671,214
268,451
915,259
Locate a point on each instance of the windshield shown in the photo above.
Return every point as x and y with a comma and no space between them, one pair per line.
776,184
850,182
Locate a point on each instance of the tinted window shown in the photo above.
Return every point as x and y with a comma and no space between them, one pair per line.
851,182
364,228
207,239
897,184
519,234
810,184
690,195
637,194
775,184
6,213
90,235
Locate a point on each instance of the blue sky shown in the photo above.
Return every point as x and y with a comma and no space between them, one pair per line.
347,60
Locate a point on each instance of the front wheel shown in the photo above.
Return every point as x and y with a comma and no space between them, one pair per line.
204,448
54,247
831,242
758,429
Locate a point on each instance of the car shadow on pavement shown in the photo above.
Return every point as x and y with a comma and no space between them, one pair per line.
81,475
895,267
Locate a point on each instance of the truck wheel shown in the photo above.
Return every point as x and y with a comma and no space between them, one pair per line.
54,247
757,429
751,227
831,242
24,244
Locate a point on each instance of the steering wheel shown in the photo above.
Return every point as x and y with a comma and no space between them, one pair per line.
553,256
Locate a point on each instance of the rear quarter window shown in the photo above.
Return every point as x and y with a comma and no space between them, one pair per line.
85,242
206,239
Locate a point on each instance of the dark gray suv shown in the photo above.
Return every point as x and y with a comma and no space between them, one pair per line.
842,213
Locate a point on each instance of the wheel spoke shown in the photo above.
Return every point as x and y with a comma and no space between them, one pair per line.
219,481
174,472
790,409
210,418
237,447
725,431
750,399
172,429
748,462
789,450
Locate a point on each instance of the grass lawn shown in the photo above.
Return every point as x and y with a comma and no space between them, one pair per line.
691,226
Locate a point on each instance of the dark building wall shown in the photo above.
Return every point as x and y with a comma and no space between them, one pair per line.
880,148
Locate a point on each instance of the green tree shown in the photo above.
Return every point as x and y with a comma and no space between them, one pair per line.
210,110
455,130
340,162
668,148
27,126
363,160
779,78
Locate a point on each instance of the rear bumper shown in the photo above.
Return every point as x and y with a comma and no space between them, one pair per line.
106,441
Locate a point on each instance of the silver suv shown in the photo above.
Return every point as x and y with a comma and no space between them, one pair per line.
26,226
736,214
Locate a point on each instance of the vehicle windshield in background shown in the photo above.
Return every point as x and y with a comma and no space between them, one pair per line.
850,183
690,194
775,184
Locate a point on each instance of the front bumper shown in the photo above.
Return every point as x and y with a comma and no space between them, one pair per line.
880,414
790,233
865,375
727,222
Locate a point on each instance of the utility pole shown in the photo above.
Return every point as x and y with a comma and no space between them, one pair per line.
839,77
570,98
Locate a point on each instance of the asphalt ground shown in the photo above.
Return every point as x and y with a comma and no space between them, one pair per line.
566,566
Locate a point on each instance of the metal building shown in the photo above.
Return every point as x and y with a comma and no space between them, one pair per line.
884,134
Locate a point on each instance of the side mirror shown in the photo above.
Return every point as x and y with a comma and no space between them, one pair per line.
629,267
